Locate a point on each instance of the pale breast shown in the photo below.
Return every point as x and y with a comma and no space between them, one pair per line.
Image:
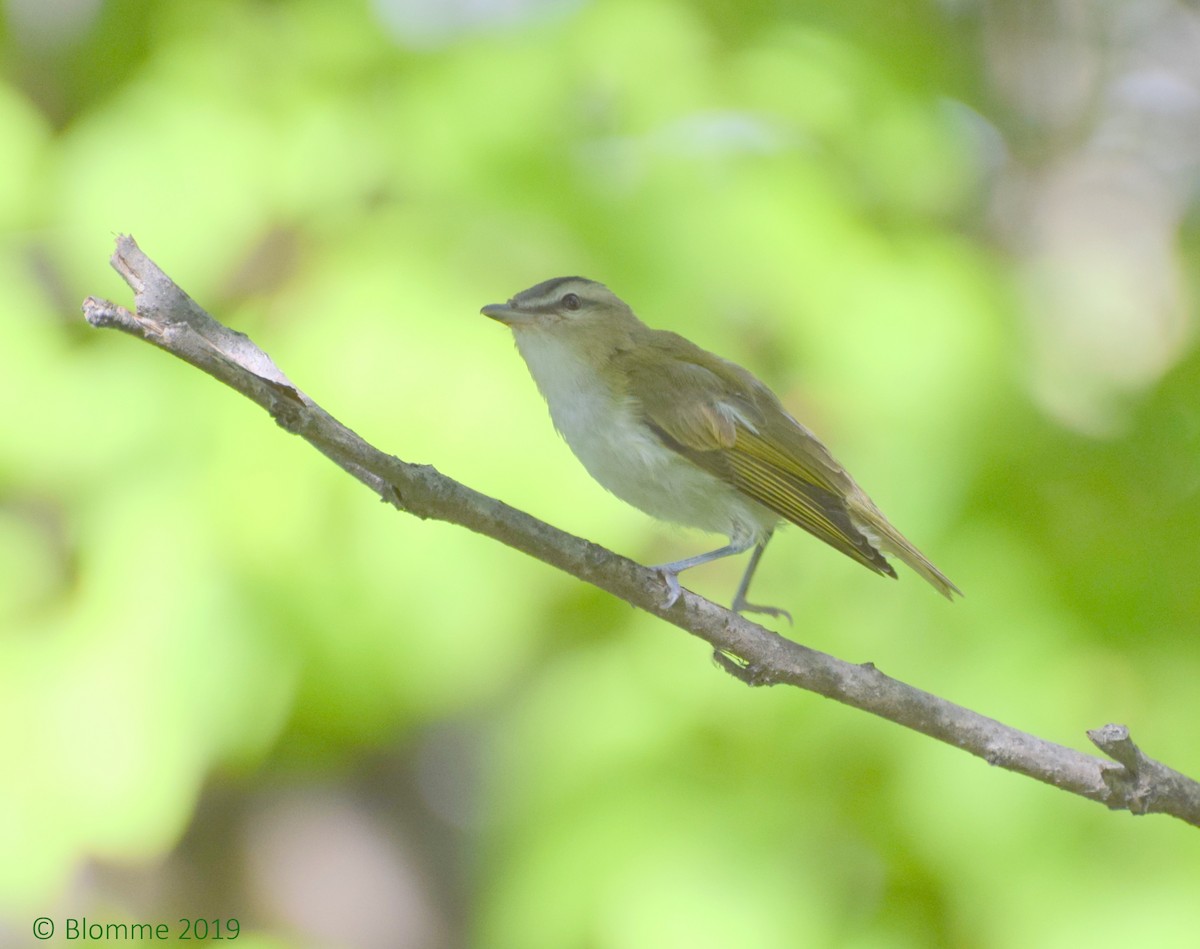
606,433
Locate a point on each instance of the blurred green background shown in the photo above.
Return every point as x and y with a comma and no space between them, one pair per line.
958,237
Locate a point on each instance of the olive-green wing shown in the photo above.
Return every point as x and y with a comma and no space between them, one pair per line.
725,421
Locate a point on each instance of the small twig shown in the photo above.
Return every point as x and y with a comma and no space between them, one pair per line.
1142,785
171,320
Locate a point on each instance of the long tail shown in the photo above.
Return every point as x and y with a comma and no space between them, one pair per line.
891,541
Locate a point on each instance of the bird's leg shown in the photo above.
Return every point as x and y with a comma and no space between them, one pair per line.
670,571
740,603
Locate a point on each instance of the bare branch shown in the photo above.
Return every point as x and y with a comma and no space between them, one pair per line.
171,320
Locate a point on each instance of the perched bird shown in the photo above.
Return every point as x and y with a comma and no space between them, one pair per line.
689,437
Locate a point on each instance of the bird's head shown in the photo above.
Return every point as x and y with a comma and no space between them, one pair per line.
566,306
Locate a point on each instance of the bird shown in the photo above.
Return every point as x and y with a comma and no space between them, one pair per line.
691,438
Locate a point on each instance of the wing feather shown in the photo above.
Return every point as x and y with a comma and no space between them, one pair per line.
724,420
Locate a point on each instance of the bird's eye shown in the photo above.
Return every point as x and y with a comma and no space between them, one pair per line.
571,302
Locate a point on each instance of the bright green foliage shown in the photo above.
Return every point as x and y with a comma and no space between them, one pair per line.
195,606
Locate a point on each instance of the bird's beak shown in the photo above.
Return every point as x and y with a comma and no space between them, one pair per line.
506,313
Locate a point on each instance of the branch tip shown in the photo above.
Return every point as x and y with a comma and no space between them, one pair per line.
1115,742
129,261
104,314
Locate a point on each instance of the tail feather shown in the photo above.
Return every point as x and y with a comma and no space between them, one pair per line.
891,541
922,565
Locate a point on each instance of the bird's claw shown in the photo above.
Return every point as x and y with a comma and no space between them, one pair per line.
674,590
741,606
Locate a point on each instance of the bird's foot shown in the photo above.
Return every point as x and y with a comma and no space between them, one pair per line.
674,590
740,605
